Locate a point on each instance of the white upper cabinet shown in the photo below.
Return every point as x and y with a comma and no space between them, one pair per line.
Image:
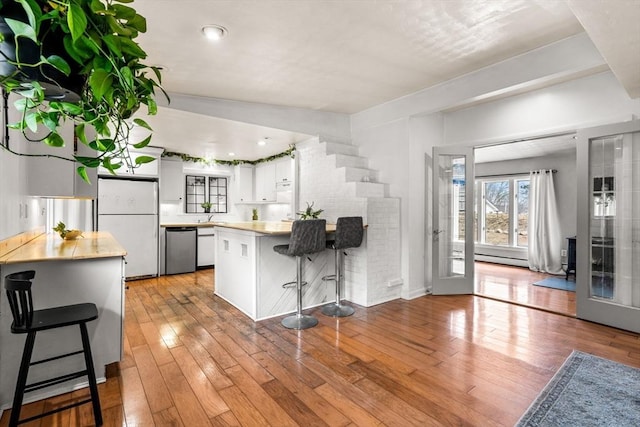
145,170
55,177
244,183
284,169
171,180
265,182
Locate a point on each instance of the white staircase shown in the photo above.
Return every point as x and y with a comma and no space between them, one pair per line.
361,181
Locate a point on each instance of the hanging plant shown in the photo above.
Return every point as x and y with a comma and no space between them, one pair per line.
97,38
187,158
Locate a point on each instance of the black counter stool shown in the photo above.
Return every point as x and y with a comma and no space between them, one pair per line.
28,321
349,233
307,236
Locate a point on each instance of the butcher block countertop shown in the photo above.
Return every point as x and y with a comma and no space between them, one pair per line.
273,228
51,247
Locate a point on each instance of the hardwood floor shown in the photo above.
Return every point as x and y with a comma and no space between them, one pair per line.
514,284
191,359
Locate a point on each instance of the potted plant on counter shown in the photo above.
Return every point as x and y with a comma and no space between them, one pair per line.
254,214
77,61
309,213
206,206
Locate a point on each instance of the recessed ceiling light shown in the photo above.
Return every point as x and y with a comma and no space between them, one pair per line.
214,32
262,142
232,154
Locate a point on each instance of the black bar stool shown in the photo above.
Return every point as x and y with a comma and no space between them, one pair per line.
349,233
28,321
307,236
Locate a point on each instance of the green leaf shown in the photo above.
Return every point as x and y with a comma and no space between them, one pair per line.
31,120
144,159
20,104
54,140
59,64
117,27
30,12
91,162
97,6
77,20
124,1
143,143
21,29
127,76
71,109
152,107
132,48
142,123
82,172
123,12
139,23
77,51
113,43
78,131
51,120
100,82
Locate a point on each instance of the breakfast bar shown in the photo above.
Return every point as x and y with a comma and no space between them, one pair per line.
250,275
89,269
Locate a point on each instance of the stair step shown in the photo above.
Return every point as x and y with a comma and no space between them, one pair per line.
357,174
340,148
366,189
343,160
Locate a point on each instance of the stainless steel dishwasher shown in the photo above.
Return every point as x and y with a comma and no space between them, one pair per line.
181,243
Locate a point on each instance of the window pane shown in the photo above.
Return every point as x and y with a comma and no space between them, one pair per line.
496,211
522,187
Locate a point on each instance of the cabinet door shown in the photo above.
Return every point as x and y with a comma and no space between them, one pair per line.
244,183
266,182
171,181
284,169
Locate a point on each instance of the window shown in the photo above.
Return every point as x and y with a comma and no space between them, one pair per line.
502,219
201,189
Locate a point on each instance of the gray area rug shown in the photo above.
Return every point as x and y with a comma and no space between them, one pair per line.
588,391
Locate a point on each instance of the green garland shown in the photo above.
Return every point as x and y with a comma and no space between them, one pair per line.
187,158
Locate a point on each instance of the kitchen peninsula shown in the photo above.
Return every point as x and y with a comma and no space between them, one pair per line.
89,269
250,275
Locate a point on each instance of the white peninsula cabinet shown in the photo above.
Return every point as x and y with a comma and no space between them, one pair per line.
67,272
250,275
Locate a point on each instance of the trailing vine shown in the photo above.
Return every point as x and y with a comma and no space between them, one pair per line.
187,158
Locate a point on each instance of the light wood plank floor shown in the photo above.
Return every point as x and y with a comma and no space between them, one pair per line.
193,360
515,284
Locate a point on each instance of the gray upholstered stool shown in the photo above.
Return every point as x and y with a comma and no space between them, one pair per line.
349,233
307,236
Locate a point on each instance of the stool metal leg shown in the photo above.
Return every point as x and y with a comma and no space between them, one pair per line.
299,320
22,379
337,309
91,374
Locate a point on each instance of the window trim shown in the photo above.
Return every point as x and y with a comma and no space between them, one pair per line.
207,194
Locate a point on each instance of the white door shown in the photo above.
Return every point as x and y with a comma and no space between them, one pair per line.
608,239
452,220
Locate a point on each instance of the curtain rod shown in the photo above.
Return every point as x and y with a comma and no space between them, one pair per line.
511,174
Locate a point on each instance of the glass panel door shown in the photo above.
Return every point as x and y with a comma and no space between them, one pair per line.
608,266
453,220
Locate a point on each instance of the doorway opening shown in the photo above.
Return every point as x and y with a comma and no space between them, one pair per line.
501,216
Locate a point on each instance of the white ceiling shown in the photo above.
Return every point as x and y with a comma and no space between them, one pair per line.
346,56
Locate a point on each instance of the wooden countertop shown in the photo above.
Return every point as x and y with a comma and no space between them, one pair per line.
51,247
273,228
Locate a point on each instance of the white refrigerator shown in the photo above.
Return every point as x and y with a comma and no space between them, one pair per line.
128,209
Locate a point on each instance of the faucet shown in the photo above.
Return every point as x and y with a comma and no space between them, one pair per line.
209,218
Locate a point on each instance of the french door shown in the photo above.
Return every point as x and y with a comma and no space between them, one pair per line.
608,239
453,220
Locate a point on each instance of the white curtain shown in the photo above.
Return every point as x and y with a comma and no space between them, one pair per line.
545,241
